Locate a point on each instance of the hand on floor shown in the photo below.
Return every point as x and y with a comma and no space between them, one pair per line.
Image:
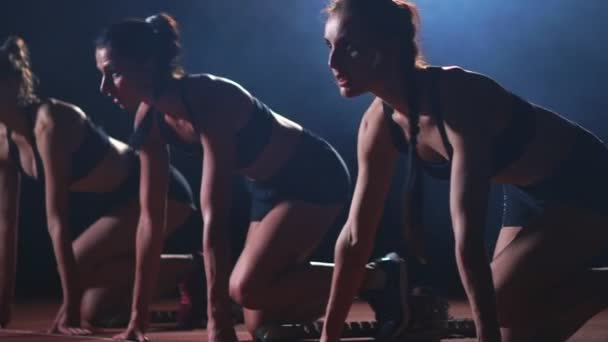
67,325
132,334
221,332
136,330
62,328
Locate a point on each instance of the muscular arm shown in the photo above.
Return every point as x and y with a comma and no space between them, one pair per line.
468,206
215,204
9,208
469,131
219,148
154,175
57,163
376,157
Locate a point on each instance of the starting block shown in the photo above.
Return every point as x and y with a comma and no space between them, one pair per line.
449,329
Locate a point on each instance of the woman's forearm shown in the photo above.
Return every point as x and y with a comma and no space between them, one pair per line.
9,208
350,260
216,256
476,278
148,247
8,256
66,264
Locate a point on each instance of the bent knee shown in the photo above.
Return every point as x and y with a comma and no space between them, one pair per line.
100,303
246,292
91,306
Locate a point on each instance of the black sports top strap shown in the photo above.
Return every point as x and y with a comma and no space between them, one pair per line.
141,131
29,115
396,132
92,150
251,138
436,108
13,152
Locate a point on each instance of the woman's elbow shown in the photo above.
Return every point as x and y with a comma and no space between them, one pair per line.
352,242
207,216
147,219
56,228
151,226
213,234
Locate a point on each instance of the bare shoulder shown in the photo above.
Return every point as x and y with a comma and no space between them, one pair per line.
456,77
472,105
216,87
374,136
372,118
198,81
63,108
210,95
58,118
466,93
57,111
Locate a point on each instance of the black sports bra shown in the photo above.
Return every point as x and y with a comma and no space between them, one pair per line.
251,138
509,145
88,155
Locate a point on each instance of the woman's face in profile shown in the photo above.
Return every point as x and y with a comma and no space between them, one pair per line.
126,82
352,58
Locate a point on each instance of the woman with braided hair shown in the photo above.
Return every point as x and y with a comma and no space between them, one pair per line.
463,126
59,148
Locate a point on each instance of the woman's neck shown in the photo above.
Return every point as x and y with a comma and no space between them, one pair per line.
395,87
169,100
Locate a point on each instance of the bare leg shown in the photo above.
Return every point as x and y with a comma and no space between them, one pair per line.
109,295
540,276
591,297
104,297
271,276
106,249
506,235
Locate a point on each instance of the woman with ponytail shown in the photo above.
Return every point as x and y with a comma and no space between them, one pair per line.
463,126
59,148
297,181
